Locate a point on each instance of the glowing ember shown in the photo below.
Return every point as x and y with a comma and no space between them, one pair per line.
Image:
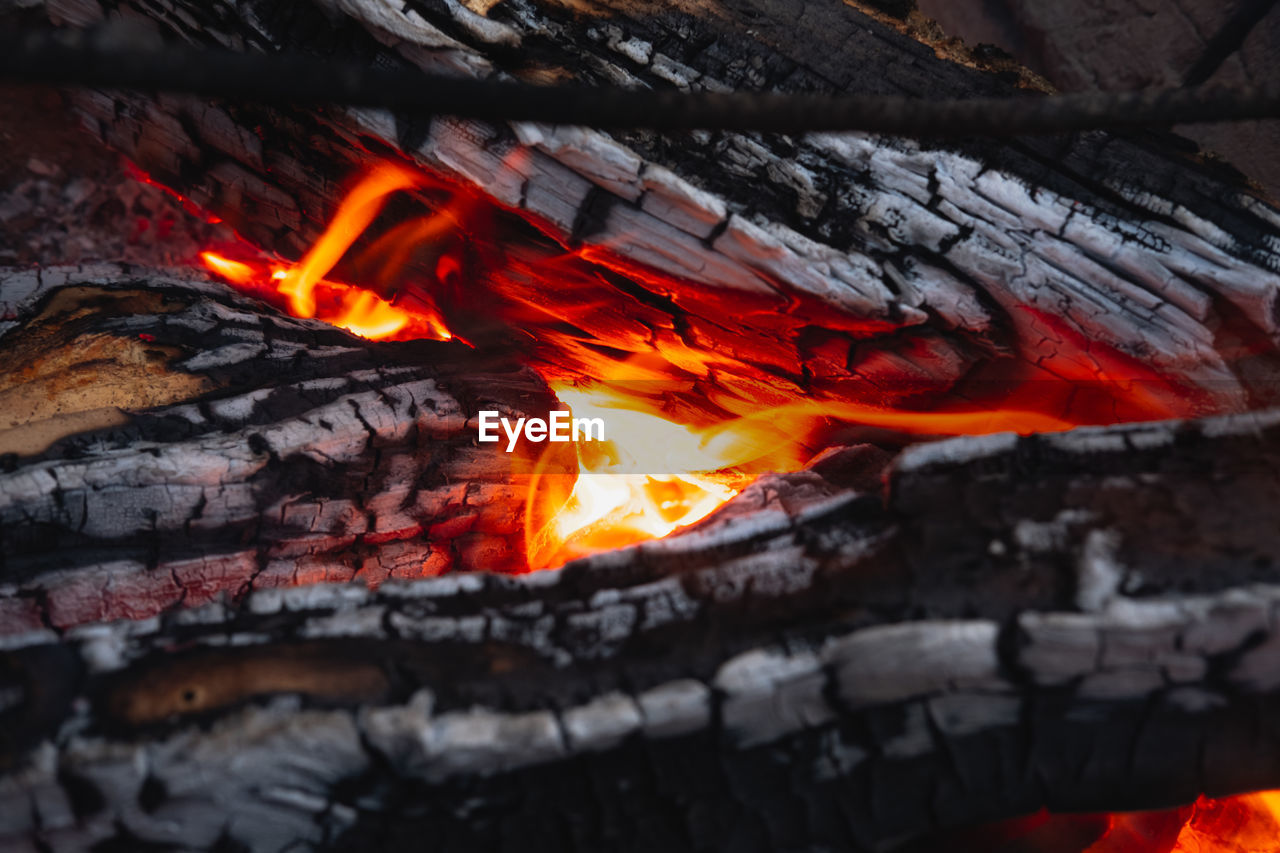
1244,824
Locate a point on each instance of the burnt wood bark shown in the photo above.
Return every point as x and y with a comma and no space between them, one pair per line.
825,665
831,265
169,440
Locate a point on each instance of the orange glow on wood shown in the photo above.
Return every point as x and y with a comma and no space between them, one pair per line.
661,468
233,271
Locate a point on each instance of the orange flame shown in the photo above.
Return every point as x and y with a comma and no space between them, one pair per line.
354,215
233,271
653,476
664,466
310,294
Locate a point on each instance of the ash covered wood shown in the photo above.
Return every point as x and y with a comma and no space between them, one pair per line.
168,440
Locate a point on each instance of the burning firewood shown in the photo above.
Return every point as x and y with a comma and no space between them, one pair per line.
863,646
821,649
898,272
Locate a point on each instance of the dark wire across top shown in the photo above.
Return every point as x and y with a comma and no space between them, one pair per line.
83,59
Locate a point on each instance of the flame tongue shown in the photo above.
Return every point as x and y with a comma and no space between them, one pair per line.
310,294
233,271
353,216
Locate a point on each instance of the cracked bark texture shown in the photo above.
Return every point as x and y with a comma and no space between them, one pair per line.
166,441
808,671
1130,45
841,267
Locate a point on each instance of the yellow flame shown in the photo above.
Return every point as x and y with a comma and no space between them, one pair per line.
652,476
371,317
647,478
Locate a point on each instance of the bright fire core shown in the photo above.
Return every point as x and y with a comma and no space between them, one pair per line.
666,464
657,471
655,474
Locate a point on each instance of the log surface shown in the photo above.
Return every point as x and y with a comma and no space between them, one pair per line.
169,440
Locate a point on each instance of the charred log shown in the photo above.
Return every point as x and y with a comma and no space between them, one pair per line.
829,266
826,665
169,440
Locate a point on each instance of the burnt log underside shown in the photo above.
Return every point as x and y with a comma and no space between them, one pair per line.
1084,620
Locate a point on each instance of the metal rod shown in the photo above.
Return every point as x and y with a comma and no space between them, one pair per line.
1228,40
79,59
